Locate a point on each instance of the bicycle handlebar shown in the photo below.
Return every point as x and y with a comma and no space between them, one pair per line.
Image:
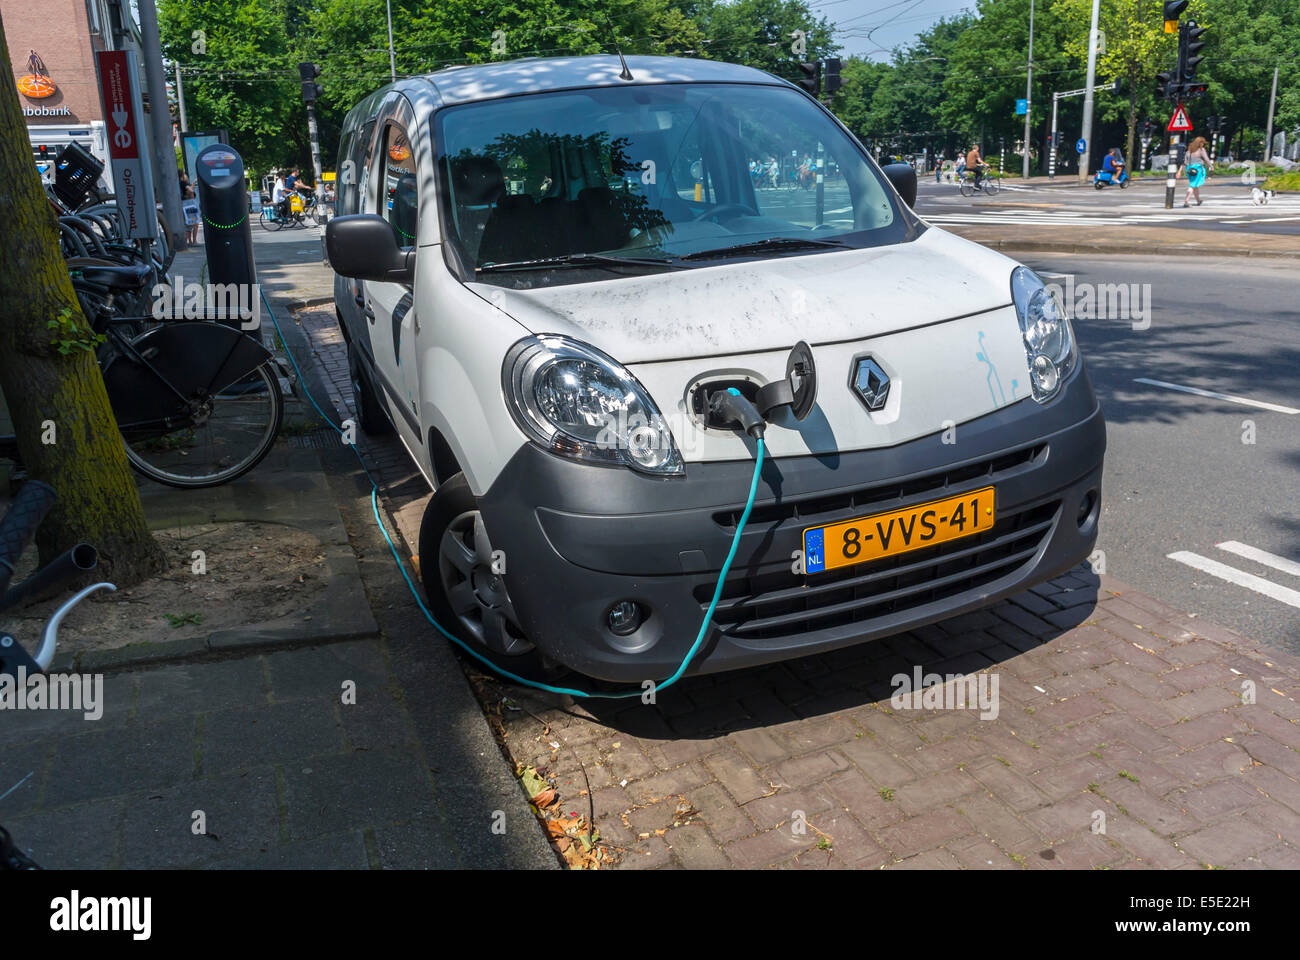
19,524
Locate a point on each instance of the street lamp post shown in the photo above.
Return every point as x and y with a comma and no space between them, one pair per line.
1029,88
1087,97
392,60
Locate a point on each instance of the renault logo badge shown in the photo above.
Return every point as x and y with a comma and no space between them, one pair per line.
870,383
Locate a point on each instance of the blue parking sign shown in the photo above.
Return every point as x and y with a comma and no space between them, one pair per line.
1080,145
1022,107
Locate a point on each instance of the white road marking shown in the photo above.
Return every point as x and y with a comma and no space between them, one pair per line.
1275,407
1239,577
1261,556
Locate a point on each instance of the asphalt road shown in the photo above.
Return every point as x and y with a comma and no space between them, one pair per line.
1227,206
1179,475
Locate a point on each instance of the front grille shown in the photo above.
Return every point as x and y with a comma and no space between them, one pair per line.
781,604
851,502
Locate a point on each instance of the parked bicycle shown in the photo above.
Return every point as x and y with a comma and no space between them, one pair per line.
198,403
16,530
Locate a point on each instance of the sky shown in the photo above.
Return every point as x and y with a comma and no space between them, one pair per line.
872,28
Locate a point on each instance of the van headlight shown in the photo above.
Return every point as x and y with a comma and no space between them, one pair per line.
1049,340
577,402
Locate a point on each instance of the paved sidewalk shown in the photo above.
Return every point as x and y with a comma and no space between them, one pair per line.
1115,711
258,762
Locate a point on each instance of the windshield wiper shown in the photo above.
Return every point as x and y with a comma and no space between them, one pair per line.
771,243
577,260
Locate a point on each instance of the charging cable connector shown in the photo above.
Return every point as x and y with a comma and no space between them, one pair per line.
730,406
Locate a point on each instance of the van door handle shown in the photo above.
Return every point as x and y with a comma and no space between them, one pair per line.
367,313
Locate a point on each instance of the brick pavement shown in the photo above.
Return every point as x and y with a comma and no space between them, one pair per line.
1129,735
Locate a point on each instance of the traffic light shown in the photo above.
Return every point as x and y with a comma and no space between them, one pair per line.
1194,44
1173,10
811,77
1190,45
311,90
1167,85
831,75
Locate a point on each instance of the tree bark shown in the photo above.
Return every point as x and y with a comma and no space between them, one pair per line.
67,435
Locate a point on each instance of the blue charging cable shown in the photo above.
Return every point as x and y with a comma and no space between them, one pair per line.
501,671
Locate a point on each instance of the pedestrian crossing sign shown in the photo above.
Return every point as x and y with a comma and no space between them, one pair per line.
1179,122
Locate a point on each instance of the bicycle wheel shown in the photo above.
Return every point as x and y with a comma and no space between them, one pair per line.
991,187
197,403
967,188
269,220
228,435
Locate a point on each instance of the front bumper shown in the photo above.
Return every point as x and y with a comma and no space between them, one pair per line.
579,538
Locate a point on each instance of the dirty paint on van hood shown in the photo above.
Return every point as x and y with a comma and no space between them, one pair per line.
824,297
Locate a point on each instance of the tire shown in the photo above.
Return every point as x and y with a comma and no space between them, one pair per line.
149,457
465,597
967,189
271,222
370,411
991,187
1098,184
1123,184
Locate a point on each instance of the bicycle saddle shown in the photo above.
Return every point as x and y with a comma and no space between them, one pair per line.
125,277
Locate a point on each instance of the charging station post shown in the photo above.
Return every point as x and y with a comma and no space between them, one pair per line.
227,234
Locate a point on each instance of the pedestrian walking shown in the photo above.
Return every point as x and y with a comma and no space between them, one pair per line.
1197,169
190,208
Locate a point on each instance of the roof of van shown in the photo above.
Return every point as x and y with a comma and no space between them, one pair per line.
536,75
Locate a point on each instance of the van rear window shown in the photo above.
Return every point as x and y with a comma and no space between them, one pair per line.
671,173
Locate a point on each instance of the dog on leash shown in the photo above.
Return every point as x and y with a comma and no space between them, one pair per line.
1260,196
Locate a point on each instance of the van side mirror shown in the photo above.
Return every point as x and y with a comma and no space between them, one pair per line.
903,177
363,246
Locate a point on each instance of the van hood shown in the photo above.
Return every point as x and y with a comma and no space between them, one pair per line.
824,297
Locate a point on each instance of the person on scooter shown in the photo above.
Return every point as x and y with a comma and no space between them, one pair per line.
1114,165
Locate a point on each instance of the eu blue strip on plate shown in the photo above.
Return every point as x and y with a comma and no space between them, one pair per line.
814,554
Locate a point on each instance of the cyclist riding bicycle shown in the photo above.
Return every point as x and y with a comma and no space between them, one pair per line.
280,197
976,162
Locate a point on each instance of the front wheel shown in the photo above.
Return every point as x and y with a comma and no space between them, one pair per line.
967,189
1123,184
456,564
991,187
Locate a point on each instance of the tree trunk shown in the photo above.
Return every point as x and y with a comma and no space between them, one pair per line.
67,435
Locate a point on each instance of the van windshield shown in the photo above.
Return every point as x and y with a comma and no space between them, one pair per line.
655,177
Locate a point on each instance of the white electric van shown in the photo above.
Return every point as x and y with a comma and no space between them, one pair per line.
580,289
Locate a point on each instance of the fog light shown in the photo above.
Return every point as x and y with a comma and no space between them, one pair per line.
1086,506
624,618
1045,374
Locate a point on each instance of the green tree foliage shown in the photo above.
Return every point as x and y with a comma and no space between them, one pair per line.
1136,49
241,67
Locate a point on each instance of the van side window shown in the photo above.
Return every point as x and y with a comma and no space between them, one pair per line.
399,201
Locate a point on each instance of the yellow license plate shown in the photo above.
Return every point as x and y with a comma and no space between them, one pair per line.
899,531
